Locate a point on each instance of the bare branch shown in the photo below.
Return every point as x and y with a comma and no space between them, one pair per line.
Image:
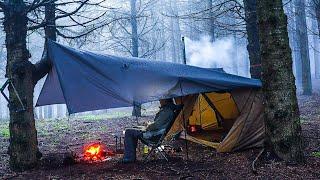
84,33
37,3
64,15
73,12
2,6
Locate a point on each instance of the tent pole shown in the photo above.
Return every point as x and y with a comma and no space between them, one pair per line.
185,132
184,51
183,117
184,124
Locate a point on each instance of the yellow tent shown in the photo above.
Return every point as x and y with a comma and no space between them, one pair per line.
225,121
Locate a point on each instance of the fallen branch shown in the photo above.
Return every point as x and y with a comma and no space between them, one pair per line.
186,177
255,160
174,170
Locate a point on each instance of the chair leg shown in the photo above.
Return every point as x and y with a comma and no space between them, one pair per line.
148,155
161,151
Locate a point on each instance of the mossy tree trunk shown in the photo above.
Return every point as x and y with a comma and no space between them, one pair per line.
253,47
23,147
283,130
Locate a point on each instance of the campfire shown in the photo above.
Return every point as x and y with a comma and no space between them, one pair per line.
96,152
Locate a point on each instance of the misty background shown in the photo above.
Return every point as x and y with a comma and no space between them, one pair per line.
214,30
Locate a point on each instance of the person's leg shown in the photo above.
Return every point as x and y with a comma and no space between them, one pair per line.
130,144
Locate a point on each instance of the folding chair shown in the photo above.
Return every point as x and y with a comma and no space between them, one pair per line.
156,140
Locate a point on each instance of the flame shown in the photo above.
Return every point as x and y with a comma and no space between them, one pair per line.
94,152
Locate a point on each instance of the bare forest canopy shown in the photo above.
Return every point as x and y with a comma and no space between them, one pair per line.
215,31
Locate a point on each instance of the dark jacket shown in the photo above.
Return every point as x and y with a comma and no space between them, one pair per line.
163,117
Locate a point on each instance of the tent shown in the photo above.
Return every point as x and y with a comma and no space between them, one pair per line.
228,121
86,81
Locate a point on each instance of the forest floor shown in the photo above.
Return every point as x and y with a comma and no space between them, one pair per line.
60,137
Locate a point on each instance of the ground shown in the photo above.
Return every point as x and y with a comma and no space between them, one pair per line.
60,137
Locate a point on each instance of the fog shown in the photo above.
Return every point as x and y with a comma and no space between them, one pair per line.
215,38
221,53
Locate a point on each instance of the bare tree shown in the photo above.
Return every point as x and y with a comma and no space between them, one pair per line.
316,53
303,46
130,34
175,32
135,46
315,13
316,5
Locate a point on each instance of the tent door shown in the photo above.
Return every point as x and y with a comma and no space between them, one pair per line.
220,119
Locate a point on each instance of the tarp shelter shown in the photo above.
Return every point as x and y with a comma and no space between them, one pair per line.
86,81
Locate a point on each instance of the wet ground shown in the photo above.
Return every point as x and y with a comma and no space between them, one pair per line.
58,138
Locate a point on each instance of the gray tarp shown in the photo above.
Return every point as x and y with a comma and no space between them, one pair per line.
86,81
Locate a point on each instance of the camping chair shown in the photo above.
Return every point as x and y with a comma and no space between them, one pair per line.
156,140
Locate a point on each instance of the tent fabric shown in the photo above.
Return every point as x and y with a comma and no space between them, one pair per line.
199,141
182,119
247,129
206,118
86,81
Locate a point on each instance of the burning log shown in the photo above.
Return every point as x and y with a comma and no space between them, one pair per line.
96,152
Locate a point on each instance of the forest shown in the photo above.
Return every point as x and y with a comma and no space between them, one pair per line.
243,77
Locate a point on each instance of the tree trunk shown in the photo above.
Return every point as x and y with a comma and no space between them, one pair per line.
317,13
175,33
193,31
173,41
283,130
50,112
302,39
40,114
253,37
297,57
235,54
1,110
135,45
60,111
291,32
23,147
43,67
316,26
50,28
50,33
210,27
316,57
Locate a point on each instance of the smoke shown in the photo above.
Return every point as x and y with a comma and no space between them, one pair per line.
222,53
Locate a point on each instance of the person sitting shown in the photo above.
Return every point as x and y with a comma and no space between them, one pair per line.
163,117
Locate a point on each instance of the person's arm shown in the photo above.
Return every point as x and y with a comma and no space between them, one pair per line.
164,116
